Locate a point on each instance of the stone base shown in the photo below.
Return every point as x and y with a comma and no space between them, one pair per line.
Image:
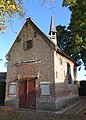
65,101
60,103
45,106
12,102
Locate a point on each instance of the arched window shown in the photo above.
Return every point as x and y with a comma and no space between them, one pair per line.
69,73
68,69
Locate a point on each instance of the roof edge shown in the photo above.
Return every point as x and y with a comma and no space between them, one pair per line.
67,56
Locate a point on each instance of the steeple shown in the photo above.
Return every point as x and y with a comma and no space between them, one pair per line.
53,32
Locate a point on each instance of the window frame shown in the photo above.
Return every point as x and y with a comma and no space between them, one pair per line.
45,88
12,93
28,44
68,69
69,73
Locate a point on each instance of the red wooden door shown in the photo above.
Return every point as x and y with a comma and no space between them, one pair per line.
27,94
23,94
31,95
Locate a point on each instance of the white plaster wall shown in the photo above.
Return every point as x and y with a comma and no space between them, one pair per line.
61,69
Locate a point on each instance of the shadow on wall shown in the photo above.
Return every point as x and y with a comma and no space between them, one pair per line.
67,88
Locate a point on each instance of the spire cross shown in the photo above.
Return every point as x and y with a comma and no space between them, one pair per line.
52,8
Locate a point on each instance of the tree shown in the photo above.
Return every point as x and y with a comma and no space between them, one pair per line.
78,27
72,39
67,42
69,2
7,10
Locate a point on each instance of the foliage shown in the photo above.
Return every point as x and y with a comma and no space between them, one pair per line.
78,26
73,38
69,2
7,10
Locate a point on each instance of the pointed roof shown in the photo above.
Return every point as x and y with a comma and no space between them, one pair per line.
52,26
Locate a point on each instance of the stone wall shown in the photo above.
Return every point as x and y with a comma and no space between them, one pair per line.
47,69
42,50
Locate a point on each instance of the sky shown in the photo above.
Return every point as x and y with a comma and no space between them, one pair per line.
41,15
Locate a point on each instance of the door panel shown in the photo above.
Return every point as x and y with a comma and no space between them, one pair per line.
23,94
27,94
31,95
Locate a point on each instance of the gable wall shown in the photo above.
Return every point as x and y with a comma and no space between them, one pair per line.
40,51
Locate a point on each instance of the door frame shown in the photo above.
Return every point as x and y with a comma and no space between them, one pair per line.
27,91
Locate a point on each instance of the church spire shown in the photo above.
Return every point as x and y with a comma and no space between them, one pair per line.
53,32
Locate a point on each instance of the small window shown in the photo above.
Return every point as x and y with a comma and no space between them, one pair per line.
45,88
12,89
53,33
53,37
28,44
60,61
68,69
69,74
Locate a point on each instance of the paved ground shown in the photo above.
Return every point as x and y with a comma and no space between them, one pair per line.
79,108
76,111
